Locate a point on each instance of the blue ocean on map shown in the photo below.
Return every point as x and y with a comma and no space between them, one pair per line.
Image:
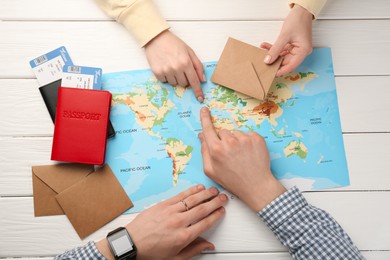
155,153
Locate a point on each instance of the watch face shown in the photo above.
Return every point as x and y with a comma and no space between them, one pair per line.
120,243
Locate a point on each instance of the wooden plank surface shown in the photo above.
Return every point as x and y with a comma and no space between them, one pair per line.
23,113
357,31
191,10
19,154
372,255
110,46
362,215
357,97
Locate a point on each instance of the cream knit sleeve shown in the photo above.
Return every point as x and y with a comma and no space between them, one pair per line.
140,17
313,6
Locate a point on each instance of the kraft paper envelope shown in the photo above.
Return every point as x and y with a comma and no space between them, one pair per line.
49,180
94,201
241,67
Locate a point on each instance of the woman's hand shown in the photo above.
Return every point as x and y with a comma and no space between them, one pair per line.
171,229
294,42
173,61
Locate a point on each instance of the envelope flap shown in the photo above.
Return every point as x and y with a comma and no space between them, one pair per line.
45,203
94,201
61,176
241,67
266,72
250,85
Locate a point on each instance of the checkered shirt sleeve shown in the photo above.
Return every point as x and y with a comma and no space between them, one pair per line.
89,251
307,232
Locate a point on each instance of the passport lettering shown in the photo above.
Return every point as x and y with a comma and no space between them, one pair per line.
81,115
80,129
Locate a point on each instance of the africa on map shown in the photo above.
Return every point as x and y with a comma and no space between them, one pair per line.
156,151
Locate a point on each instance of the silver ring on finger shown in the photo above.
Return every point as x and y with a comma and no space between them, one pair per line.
185,204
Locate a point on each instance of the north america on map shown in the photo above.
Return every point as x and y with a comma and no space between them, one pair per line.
156,151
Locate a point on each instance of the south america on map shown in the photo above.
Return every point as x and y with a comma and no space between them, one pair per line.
155,153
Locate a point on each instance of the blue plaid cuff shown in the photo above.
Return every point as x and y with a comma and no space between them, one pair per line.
89,251
282,208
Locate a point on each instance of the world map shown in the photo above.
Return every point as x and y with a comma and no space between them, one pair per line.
156,151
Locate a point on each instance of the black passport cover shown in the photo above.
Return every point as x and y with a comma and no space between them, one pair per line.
49,94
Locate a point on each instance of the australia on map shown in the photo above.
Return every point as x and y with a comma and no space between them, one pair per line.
155,153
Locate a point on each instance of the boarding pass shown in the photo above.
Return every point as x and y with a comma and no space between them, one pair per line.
81,77
48,67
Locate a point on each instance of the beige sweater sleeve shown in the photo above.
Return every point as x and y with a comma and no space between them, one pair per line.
140,17
313,6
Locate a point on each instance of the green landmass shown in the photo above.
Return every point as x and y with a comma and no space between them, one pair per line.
280,85
298,150
189,150
151,92
304,74
161,120
165,95
172,140
273,131
241,119
228,96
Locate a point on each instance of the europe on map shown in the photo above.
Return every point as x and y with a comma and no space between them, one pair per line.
156,152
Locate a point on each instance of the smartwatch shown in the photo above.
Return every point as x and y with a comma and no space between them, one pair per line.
121,244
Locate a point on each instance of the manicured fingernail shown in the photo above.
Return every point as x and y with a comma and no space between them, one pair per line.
223,197
267,59
209,248
203,78
200,99
214,190
200,187
204,109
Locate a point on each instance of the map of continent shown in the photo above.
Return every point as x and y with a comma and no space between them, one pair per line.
155,153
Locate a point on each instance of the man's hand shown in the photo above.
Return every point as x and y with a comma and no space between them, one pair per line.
173,61
239,162
294,42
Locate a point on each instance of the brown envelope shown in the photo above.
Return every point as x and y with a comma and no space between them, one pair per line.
94,201
241,67
49,180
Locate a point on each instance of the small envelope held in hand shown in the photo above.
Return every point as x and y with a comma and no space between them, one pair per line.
241,67
49,180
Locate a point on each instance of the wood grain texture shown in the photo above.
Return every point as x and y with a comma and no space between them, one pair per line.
357,31
23,112
191,10
362,215
372,255
19,154
108,45
357,97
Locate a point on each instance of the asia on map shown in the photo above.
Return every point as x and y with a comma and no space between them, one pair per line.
156,151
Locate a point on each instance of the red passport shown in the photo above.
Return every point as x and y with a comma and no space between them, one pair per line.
80,129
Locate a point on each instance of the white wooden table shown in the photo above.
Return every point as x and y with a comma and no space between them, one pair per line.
357,31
